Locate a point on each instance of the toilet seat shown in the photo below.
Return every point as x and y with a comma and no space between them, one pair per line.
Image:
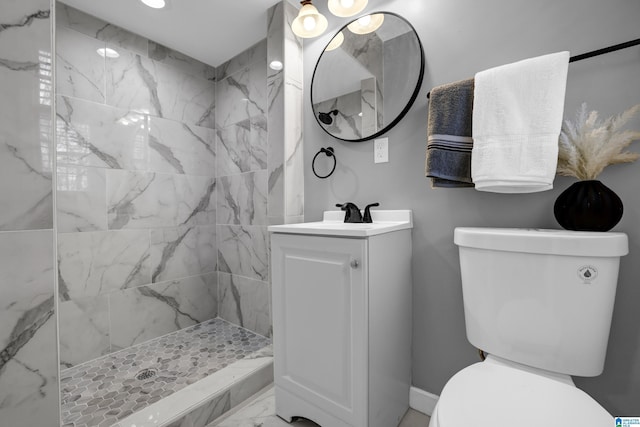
490,394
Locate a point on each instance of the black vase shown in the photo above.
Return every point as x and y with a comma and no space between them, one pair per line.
588,206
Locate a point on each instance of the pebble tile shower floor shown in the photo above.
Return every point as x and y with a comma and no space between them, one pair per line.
103,391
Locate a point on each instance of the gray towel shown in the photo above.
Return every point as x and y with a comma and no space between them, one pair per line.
449,142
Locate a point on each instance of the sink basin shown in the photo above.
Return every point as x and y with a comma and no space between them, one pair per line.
333,224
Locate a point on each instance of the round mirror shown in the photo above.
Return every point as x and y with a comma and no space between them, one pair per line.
367,77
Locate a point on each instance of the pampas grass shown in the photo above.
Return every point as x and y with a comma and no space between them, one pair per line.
588,145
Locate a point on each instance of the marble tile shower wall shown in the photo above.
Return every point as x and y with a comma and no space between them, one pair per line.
146,212
285,145
28,366
242,167
136,189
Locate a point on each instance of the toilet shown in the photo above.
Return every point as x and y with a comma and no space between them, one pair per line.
539,304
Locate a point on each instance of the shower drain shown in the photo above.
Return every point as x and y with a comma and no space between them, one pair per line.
145,374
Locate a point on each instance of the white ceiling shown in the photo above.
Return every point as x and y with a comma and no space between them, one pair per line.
211,31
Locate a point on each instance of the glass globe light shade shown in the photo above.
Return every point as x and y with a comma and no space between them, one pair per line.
309,22
335,42
346,8
367,24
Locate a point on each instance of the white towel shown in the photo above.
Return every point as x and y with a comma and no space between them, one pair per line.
517,115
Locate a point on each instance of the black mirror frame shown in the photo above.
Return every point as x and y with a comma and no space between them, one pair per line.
411,100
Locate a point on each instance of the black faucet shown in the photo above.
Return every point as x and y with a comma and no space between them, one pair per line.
352,212
367,212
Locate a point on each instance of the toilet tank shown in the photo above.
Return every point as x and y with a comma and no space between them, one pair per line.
543,298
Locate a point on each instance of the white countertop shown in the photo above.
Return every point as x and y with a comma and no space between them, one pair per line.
384,221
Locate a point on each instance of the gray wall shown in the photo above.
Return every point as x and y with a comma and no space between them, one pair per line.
462,37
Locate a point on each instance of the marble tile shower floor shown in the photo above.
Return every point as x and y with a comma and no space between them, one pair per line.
103,391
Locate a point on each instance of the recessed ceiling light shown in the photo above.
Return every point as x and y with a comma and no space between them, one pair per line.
106,52
156,4
276,65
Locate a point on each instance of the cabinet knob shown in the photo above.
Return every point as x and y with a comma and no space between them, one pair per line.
355,263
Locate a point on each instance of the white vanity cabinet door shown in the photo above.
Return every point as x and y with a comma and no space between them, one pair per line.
320,323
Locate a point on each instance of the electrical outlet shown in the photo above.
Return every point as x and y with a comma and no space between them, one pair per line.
381,150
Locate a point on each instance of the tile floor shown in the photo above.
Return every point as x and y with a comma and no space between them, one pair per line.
106,390
259,411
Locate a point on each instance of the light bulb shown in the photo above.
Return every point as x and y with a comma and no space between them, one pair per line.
309,23
365,20
346,8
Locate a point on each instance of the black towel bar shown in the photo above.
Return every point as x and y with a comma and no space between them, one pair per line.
605,50
597,52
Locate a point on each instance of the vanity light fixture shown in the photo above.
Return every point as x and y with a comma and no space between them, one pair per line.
156,4
346,8
367,24
309,22
107,52
335,42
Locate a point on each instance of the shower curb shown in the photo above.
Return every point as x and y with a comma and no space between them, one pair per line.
202,402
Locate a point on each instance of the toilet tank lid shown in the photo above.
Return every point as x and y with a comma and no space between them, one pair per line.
543,241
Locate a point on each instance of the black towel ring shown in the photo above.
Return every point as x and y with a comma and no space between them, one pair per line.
330,153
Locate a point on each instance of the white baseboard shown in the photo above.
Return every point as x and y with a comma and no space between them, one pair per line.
422,401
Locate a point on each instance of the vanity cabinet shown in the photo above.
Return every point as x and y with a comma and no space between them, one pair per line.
342,327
